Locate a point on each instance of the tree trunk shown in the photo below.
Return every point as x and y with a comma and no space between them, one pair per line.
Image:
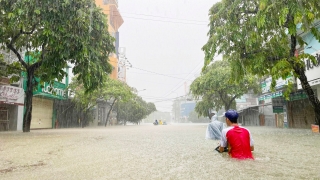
111,108
304,82
311,95
28,101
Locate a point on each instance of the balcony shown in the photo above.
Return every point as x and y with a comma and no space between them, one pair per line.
110,2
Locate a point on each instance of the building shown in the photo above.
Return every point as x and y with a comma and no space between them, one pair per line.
272,104
117,60
248,109
110,8
11,98
11,106
43,113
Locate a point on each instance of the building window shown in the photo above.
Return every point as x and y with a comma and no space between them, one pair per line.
105,2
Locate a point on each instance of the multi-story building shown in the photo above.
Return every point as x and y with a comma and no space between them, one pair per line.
110,8
11,98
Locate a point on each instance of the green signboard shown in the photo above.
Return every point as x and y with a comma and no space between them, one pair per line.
277,109
269,96
58,90
298,95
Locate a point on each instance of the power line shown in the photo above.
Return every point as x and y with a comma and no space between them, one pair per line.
164,17
157,20
155,72
174,89
181,83
167,74
163,21
160,74
148,15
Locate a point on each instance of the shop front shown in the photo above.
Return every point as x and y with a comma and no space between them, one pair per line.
11,108
43,115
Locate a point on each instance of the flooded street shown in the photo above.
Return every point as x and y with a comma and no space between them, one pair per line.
154,152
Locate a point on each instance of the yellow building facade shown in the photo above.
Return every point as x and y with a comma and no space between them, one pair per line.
110,8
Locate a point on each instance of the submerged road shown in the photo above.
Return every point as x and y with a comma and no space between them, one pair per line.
174,151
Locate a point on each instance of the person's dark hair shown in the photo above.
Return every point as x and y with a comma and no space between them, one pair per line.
232,115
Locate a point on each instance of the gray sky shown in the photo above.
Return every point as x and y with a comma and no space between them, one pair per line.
163,41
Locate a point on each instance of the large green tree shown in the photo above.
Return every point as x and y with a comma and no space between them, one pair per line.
53,34
111,90
134,110
217,89
261,37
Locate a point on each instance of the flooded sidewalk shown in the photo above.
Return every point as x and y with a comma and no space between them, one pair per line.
154,152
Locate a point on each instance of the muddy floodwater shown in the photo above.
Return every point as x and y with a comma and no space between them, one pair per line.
171,151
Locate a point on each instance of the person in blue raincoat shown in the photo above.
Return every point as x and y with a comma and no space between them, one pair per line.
215,127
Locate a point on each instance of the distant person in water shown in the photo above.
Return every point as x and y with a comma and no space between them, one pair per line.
215,127
155,122
238,139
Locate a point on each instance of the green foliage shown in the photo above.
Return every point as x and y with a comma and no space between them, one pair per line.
110,89
134,110
257,35
261,37
66,31
3,66
55,34
217,89
13,70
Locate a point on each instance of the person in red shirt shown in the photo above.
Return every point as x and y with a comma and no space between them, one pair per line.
238,139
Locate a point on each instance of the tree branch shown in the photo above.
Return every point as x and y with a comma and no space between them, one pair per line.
232,99
30,32
14,39
37,64
10,46
222,98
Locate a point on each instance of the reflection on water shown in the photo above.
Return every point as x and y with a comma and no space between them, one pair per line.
154,152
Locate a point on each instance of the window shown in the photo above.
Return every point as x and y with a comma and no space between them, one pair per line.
105,2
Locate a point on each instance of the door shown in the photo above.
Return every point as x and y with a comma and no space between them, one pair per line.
42,110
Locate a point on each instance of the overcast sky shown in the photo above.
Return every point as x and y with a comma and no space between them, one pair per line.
163,41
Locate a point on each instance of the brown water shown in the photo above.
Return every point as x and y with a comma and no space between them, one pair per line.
154,152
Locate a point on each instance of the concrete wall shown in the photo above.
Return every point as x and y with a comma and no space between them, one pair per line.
20,118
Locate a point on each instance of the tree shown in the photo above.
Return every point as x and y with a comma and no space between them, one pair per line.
134,110
110,90
53,34
261,37
217,89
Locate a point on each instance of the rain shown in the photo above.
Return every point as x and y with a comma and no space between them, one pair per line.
120,89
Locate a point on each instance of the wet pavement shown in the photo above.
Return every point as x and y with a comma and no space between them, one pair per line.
174,151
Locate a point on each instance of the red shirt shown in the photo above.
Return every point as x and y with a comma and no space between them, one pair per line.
239,141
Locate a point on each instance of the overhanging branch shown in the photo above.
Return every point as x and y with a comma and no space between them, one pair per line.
30,32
